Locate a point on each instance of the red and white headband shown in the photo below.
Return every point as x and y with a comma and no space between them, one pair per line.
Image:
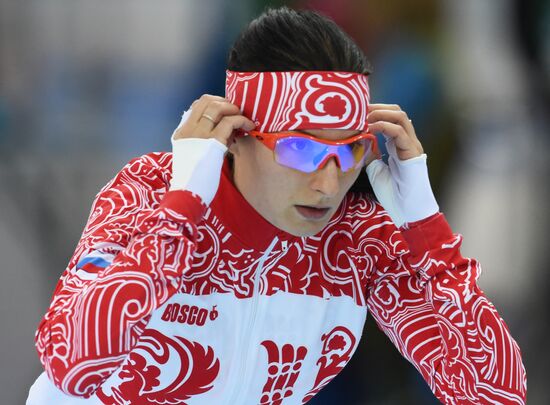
285,101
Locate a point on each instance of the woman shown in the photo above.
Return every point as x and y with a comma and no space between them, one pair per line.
240,268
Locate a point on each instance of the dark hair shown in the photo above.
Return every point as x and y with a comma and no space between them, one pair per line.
288,40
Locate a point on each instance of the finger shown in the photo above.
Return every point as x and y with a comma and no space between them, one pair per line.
388,128
395,116
190,125
406,146
206,123
381,106
228,124
216,110
213,114
200,105
394,131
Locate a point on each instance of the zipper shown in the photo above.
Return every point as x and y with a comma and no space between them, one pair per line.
251,322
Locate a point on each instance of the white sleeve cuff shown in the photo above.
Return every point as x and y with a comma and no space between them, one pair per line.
382,184
197,165
413,189
403,187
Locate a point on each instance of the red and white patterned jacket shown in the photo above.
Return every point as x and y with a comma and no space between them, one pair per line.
166,300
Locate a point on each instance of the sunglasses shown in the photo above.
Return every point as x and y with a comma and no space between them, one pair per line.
307,153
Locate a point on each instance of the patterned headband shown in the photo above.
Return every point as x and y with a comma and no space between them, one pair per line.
284,101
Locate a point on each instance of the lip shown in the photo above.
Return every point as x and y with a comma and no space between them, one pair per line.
311,212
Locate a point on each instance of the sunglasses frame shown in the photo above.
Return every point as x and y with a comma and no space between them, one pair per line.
269,139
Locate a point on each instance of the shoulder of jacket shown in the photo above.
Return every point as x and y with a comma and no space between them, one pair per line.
366,214
152,170
158,160
372,227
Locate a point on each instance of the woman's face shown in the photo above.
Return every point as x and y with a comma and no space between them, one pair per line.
296,202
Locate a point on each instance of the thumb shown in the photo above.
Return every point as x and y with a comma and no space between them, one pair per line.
382,183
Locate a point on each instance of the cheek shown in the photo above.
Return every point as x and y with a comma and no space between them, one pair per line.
275,184
256,160
268,171
285,184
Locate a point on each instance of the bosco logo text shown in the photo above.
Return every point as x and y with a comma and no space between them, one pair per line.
189,314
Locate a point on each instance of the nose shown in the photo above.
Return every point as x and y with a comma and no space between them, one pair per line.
326,180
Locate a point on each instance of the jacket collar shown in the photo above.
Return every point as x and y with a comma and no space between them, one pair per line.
243,221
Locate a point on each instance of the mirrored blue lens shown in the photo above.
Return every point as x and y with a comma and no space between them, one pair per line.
307,155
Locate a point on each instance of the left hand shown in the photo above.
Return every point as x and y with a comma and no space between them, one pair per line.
402,186
393,122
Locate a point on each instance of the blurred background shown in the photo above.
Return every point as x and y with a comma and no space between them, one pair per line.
87,85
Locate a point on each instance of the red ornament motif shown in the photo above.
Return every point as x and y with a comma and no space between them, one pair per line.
338,346
139,377
284,364
335,106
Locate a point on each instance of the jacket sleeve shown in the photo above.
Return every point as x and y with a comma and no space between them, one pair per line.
424,296
138,241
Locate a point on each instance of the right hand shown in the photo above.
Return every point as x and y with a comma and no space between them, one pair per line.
213,117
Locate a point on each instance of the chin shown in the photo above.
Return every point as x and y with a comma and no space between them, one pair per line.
301,233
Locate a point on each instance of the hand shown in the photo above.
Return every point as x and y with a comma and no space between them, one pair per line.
213,117
200,142
393,122
402,186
